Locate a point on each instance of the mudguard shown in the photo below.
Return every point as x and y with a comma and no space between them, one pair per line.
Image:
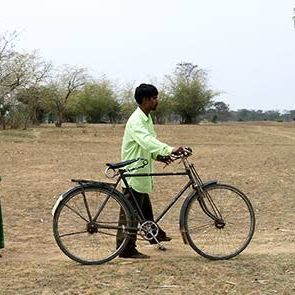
184,207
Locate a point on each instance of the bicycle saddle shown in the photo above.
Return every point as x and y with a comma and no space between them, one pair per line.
121,164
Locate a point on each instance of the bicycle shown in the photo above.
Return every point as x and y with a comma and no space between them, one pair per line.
216,220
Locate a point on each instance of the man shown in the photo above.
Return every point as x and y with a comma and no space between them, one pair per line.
140,141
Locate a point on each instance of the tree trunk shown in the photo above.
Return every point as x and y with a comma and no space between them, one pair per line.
59,121
3,123
188,120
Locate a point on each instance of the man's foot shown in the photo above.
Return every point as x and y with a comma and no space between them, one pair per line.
133,254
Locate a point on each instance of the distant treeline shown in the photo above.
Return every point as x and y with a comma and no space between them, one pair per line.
33,91
221,113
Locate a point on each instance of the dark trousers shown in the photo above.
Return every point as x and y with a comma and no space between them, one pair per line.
145,205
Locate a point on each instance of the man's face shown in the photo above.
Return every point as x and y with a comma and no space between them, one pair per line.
153,102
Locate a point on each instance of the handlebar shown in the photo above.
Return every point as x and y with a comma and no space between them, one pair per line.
187,151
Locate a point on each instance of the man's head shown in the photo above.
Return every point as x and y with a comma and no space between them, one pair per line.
146,95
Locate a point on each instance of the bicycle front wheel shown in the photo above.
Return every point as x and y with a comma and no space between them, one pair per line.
219,223
86,224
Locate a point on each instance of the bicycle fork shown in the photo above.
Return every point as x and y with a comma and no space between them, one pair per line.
202,195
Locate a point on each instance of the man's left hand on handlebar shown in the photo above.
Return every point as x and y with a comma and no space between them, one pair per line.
175,152
182,150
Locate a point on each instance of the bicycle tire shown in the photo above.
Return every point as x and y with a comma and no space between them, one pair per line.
96,242
210,239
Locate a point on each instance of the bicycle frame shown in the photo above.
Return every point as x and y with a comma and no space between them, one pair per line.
194,181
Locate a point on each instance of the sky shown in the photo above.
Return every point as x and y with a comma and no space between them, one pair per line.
247,47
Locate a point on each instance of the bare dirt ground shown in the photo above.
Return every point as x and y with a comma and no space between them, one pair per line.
37,164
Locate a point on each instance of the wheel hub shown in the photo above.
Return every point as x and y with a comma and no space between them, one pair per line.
220,224
92,227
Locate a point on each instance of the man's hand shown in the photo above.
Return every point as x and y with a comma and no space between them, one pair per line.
164,159
175,152
182,150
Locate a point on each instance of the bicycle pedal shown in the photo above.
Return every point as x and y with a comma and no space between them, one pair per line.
161,247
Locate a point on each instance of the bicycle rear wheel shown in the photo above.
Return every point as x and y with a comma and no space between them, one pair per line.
83,239
230,235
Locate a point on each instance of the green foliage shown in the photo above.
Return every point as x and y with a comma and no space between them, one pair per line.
19,116
32,97
127,102
20,73
189,92
97,102
49,99
63,87
290,115
165,108
218,111
214,119
4,113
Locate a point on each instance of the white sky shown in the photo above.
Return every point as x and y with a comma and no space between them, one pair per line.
247,46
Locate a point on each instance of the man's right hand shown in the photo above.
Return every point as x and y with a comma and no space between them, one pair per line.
165,159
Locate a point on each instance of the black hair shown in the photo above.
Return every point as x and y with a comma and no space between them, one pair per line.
145,91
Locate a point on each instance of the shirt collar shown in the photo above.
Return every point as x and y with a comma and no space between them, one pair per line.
143,115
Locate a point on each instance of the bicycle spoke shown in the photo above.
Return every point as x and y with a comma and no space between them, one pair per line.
71,234
196,228
76,212
99,210
106,233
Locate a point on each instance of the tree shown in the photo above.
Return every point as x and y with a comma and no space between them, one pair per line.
250,115
165,107
32,100
68,80
33,94
189,91
245,115
290,115
219,112
97,102
273,116
127,102
9,80
17,71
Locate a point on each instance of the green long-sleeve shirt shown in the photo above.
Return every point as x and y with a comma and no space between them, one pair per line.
140,141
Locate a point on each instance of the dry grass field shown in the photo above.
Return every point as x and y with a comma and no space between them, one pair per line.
37,164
